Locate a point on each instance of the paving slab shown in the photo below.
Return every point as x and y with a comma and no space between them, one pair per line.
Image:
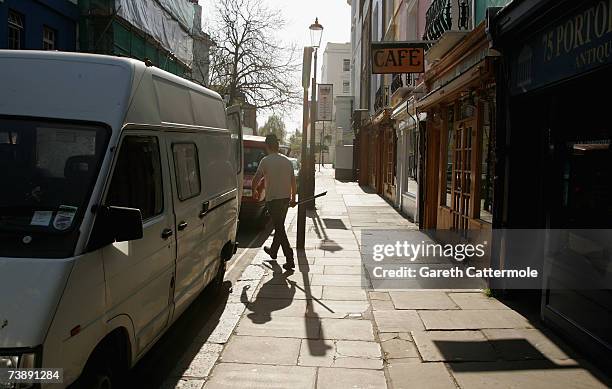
380,296
225,325
237,375
337,378
476,301
355,270
262,350
280,327
420,376
343,293
445,346
341,353
472,319
286,292
199,363
337,280
398,321
523,374
347,329
397,348
421,300
382,305
338,261
527,343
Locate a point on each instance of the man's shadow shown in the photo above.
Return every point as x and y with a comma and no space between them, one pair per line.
274,295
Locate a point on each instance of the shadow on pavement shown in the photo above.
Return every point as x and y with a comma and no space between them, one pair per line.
182,341
262,307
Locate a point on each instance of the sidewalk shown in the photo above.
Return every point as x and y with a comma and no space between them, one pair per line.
318,328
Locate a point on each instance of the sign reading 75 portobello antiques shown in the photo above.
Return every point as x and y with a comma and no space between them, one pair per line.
577,43
398,57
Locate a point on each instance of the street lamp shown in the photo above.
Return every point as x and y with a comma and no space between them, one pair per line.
316,33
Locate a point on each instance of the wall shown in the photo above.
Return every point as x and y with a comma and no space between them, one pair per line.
60,15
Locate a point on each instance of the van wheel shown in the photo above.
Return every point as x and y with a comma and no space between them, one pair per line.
97,377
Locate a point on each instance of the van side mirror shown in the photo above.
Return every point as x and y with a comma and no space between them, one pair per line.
115,224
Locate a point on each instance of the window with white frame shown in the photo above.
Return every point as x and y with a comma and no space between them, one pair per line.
15,30
346,86
346,65
49,37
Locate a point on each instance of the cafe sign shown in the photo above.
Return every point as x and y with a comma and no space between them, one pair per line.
570,46
398,57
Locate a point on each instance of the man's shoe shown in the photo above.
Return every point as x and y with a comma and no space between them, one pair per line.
269,252
290,265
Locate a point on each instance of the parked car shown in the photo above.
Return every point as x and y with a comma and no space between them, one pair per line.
122,206
252,208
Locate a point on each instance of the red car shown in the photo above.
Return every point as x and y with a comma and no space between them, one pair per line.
254,150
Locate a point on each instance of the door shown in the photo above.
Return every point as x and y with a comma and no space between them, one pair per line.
140,274
461,184
189,208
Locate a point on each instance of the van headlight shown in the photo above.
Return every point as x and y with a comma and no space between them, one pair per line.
22,361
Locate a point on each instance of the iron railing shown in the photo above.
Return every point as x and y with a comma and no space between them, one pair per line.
444,15
381,99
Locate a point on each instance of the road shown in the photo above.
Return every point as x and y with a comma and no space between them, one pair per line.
160,361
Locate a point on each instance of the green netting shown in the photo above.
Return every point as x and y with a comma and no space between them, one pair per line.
121,38
138,46
151,53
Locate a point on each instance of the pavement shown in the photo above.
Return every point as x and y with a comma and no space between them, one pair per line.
318,327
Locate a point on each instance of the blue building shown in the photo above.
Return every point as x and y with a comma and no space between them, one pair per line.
39,24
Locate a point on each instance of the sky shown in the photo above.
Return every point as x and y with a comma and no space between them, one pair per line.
334,15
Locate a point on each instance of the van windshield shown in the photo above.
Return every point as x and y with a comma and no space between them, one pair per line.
252,157
48,172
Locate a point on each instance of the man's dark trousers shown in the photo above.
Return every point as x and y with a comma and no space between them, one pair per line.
278,212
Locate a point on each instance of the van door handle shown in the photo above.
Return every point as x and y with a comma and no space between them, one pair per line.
182,226
166,233
205,208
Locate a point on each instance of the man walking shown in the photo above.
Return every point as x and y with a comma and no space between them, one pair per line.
280,195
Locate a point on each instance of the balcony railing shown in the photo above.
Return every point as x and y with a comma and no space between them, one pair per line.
445,15
381,99
407,80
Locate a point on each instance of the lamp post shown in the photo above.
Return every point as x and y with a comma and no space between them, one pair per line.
316,33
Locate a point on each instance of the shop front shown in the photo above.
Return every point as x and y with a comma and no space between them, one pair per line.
459,158
555,156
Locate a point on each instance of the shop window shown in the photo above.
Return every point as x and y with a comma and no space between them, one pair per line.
411,161
450,145
137,179
187,170
15,30
486,170
49,37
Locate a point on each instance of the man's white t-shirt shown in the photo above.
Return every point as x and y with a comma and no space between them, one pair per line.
278,172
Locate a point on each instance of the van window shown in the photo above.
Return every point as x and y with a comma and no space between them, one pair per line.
137,179
186,168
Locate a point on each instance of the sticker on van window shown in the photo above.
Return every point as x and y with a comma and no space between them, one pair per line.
41,218
64,217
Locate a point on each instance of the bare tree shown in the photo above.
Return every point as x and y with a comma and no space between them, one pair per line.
250,63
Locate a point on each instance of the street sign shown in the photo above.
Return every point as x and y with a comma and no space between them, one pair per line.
398,57
325,102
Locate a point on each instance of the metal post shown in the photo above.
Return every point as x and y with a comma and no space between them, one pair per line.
313,119
301,222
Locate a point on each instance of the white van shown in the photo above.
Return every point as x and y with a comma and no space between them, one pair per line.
120,190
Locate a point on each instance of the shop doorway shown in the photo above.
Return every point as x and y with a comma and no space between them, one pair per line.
461,173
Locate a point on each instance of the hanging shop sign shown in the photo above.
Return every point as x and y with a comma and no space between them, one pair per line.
398,57
325,103
570,46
